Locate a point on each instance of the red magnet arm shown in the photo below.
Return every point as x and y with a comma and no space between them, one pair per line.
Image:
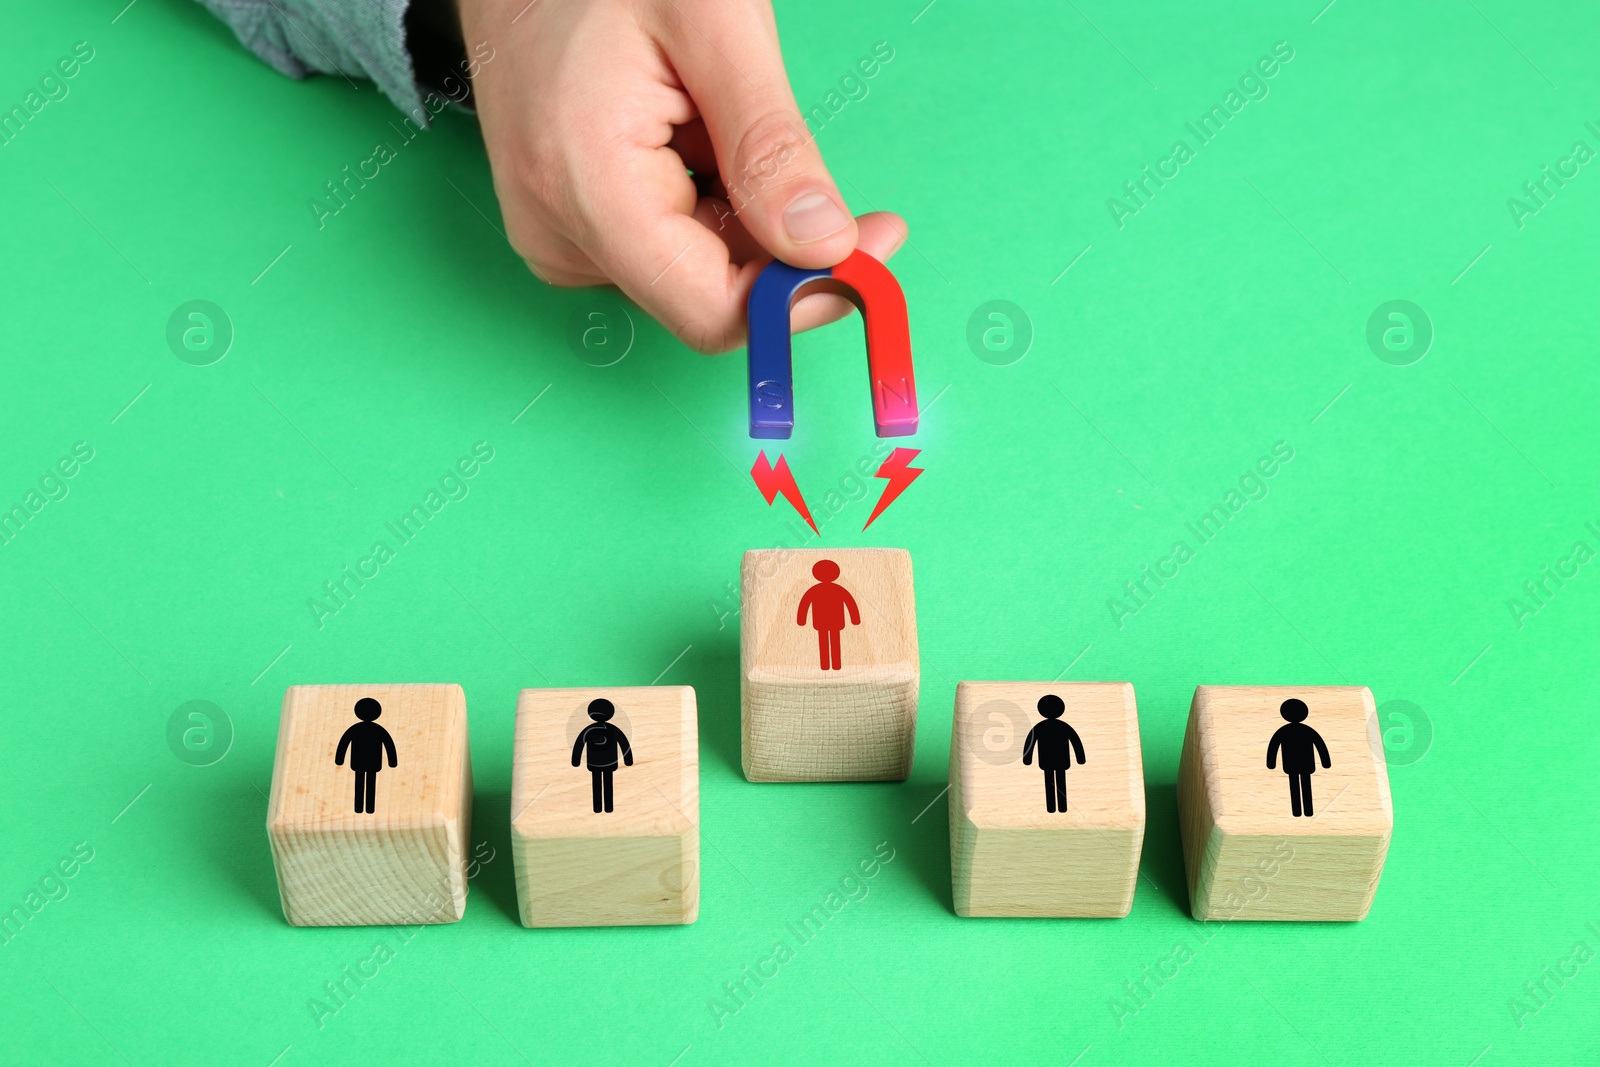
883,307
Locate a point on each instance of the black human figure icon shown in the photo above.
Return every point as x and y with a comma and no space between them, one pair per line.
602,741
1056,742
1301,745
368,743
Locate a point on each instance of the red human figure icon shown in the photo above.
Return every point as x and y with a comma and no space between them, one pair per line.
827,603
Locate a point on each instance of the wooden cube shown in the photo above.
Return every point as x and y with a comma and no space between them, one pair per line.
1046,799
605,806
1283,799
371,805
828,665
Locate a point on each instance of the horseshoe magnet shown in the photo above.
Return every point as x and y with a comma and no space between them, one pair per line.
868,284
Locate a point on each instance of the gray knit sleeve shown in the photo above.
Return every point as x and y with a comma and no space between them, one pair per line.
344,38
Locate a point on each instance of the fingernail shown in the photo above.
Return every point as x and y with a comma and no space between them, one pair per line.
813,216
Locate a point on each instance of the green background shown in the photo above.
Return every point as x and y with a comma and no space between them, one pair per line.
601,541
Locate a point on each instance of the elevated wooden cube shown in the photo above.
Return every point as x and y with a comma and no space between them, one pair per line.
1283,798
605,806
828,665
1046,799
371,807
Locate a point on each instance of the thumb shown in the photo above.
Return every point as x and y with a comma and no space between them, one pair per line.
729,61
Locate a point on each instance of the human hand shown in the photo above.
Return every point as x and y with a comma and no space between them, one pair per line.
593,111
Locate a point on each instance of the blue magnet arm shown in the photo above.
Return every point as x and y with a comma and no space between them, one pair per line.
771,356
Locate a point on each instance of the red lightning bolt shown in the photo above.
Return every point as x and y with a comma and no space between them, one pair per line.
899,473
774,480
